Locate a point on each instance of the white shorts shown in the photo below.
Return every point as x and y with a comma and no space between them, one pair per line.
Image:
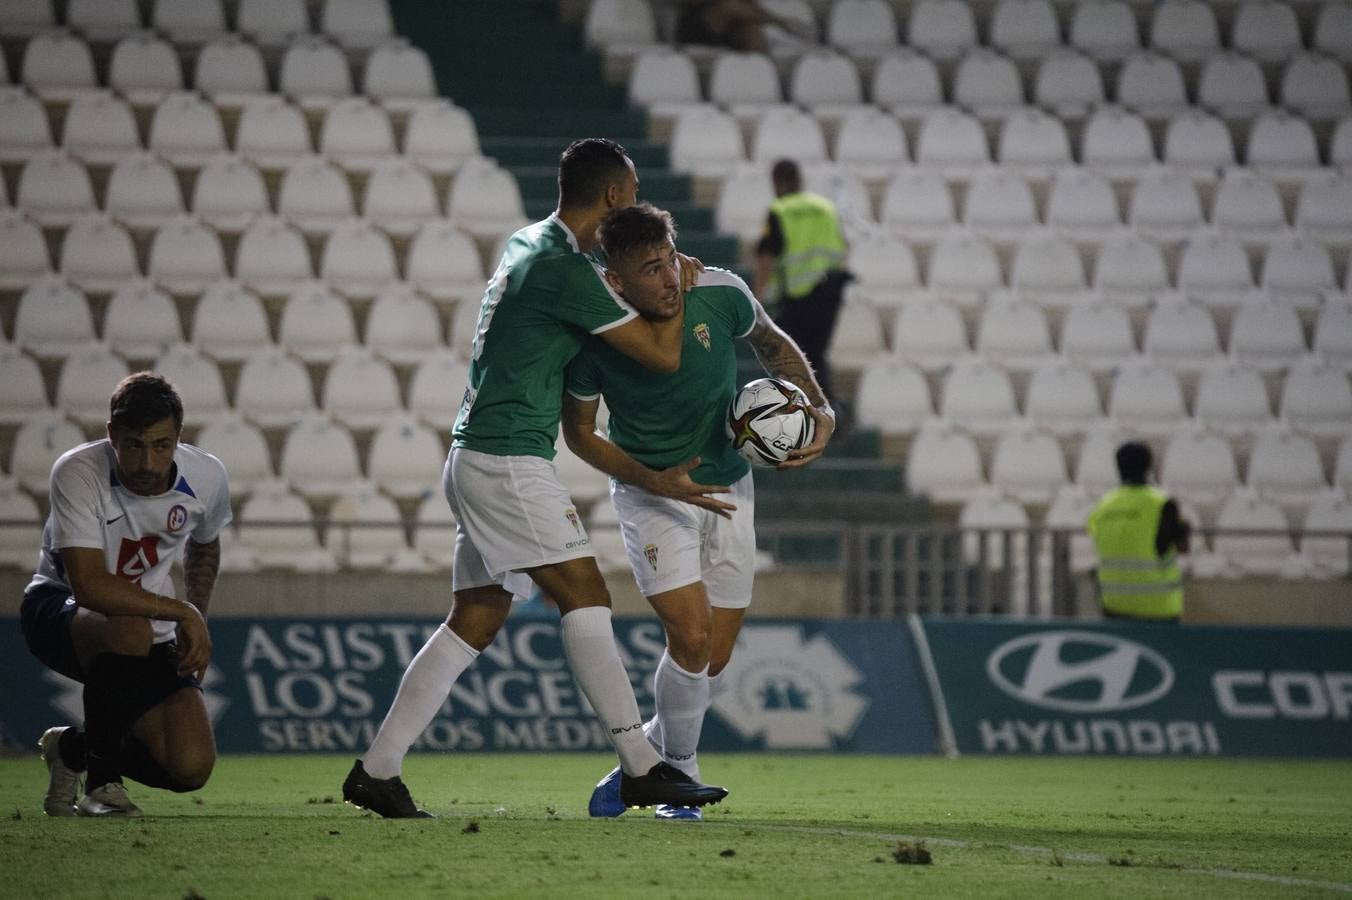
511,513
672,543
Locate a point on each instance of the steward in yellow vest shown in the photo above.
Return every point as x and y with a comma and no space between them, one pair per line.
1138,533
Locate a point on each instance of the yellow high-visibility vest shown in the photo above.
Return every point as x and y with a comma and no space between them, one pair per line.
1133,579
812,244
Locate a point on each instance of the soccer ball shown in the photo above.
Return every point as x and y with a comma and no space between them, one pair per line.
767,419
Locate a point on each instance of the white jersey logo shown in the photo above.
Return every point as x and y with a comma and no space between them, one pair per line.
796,694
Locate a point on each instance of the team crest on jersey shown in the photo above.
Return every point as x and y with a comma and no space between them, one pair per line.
178,517
571,515
650,551
137,557
702,335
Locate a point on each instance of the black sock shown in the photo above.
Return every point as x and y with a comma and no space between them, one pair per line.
139,764
71,749
114,692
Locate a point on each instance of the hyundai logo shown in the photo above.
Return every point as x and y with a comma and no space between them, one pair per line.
1079,671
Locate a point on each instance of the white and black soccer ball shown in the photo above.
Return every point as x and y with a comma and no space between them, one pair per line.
768,418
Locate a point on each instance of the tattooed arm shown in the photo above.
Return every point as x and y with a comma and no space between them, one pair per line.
201,562
781,357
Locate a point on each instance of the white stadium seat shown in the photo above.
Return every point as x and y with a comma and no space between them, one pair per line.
626,25
1062,397
485,200
276,526
143,192
241,447
1180,334
58,66
892,397
1248,205
1340,145
272,22
930,334
1069,84
664,82
988,85
434,530
82,386
1231,398
315,196
1324,208
231,71
358,260
141,321
316,323
884,264
1316,397
1014,333
1197,140
1198,467
1285,466
314,73
198,382
907,83
1253,554
743,200
271,257
1329,511
24,395
864,28
942,29
360,389
1342,470
356,134
437,387
144,69
1333,332
918,205
402,326
1028,464
440,137
1033,141
1266,335
1104,29
744,83
943,464
858,336
273,388
951,139
977,396
444,264
1116,142
1266,30
1096,466
1232,86
406,457
1082,202
54,188
1047,269
356,23
826,83
272,133
229,192
100,129
1025,29
991,511
186,130
319,457
399,75
871,143
103,19
788,132
17,541
23,251
378,545
1215,267
97,254
1316,86
189,21
965,265
38,443
1283,143
1146,397
24,130
185,257
1333,30
53,318
1297,271
1185,29
1069,511
399,197
1097,335
25,18
706,141
229,323
1151,84
1000,204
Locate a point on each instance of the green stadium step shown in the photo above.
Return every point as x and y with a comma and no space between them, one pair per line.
695,219
625,126
662,188
835,474
513,152
472,91
862,507
708,247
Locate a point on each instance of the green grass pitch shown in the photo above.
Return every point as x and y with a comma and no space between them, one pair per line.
794,826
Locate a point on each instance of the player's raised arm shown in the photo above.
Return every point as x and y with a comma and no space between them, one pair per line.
782,358
655,345
579,431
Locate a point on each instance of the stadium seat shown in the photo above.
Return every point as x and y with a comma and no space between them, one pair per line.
25,18
744,83
53,318
964,265
907,84
358,260
276,526
97,254
1330,511
1333,30
1196,140
892,396
100,129
1333,332
272,23
231,72
1097,335
1252,554
273,388
862,28
229,193
1215,268
319,458
977,396
186,130
1266,30
401,326
243,449
1014,333
1324,209
316,323
826,83
943,464
103,20
1297,271
185,257
82,385
1028,464
485,200
1000,204
1151,85
1033,141
1185,29
1316,397
58,66
54,189
143,192
1281,143
1096,466
229,323
18,541
1082,203
1232,86
1068,84
1231,398
1104,29
356,23
1316,86
1025,29
858,336
24,395
381,544
952,140
1068,512
1342,471
787,132
399,197
788,42
405,457
399,76
884,266
437,387
272,134
993,514
144,69
23,251
1146,397
621,26
189,21
444,264
1129,268
664,82
1340,145
360,389
930,334
870,143
1266,335
315,196
356,134
1285,467
941,29
271,258
24,131
141,321
742,202
196,378
1116,143
1062,397
1180,334
988,85
1247,205
38,443
314,73
440,137
434,530
706,142
1198,467
1047,269
918,205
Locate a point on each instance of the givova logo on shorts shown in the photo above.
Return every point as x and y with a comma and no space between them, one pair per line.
791,692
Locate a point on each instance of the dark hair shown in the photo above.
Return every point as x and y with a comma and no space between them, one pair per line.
587,167
142,399
627,229
787,173
1133,462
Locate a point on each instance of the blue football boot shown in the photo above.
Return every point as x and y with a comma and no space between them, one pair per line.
684,813
605,800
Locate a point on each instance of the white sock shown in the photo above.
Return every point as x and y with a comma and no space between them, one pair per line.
682,697
422,690
589,644
716,685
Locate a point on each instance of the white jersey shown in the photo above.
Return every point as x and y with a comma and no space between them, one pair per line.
140,537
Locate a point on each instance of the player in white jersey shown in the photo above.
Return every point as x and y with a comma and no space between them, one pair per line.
101,607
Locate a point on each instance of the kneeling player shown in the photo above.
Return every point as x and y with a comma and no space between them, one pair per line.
693,554
100,608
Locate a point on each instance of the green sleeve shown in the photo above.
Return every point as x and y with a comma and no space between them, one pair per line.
586,301
583,378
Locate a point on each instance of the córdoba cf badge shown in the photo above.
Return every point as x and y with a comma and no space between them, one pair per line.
702,335
650,551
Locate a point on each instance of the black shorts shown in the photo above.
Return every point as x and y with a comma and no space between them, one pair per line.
45,616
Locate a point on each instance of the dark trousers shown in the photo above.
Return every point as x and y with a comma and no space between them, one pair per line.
811,320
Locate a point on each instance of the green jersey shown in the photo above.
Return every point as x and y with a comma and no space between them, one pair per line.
541,303
663,420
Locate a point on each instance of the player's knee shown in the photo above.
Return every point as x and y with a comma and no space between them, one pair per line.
718,662
193,772
688,644
128,636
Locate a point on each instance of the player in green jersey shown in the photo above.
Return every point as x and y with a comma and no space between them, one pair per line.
515,522
692,552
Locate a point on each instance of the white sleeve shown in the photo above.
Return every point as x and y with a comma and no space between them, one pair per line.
77,513
218,513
